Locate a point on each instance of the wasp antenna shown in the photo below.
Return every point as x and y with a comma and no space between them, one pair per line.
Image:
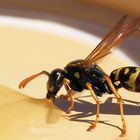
25,81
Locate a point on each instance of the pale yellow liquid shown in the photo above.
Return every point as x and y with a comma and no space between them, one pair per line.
23,53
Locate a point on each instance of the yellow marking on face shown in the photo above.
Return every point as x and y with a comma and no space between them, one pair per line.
126,71
77,75
58,76
51,88
132,79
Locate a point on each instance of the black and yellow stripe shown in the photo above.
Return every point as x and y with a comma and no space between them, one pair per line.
128,77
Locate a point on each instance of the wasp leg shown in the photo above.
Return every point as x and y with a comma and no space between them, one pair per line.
66,83
64,97
25,81
93,125
119,99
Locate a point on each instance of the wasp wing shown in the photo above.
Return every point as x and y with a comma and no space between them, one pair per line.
118,33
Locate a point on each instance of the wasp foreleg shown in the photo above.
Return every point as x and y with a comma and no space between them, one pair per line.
119,99
93,125
66,83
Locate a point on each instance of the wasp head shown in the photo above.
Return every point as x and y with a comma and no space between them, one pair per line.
54,83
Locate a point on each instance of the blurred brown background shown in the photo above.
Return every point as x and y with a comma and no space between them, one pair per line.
100,11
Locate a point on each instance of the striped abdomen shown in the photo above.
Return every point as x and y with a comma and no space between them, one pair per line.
127,77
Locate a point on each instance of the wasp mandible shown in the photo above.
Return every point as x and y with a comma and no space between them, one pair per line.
86,74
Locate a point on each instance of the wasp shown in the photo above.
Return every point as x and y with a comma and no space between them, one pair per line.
85,74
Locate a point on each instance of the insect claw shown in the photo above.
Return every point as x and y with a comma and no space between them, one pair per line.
91,127
69,110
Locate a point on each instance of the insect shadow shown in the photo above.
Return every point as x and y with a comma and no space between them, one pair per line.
86,109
